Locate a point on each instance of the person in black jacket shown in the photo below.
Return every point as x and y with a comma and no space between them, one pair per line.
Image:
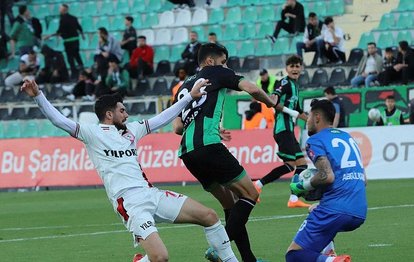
5,9
312,39
190,53
294,12
129,39
55,70
69,29
388,74
405,63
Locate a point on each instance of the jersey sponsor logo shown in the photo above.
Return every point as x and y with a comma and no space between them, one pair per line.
121,153
146,225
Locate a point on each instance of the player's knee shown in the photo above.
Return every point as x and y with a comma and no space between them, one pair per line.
159,257
253,195
210,217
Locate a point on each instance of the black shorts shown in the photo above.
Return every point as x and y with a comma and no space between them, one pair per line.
213,165
289,148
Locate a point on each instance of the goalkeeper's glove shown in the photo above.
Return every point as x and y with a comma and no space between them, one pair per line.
299,188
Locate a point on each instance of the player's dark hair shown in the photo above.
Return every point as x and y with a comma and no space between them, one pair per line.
372,43
211,49
390,97
106,103
103,30
130,19
312,14
330,90
324,107
293,60
328,20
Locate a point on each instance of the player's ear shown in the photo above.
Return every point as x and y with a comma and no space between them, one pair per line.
109,115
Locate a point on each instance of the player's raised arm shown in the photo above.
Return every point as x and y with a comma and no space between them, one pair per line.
257,93
171,113
59,120
325,175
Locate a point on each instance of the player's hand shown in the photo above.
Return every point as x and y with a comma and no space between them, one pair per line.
297,188
225,135
312,207
30,87
198,88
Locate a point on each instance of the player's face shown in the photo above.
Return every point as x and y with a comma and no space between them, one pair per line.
293,70
215,61
310,124
120,116
390,103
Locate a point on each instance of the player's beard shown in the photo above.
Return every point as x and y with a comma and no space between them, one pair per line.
120,126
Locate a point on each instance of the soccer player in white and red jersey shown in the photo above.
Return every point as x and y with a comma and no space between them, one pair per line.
111,146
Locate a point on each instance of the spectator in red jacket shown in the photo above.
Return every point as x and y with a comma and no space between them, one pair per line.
141,63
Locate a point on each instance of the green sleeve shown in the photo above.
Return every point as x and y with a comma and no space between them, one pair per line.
15,30
125,79
108,80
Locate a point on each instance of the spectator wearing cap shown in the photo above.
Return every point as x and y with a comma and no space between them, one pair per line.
25,32
369,67
405,63
28,68
141,63
108,48
254,118
190,53
69,29
266,81
129,39
388,74
312,39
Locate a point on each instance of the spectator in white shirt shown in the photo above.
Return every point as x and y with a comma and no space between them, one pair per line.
334,42
313,38
369,67
29,65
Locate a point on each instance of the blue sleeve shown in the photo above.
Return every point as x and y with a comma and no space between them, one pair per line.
337,108
315,149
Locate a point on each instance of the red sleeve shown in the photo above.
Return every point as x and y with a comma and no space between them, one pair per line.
149,56
134,58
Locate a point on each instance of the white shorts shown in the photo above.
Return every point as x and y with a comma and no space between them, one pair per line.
141,208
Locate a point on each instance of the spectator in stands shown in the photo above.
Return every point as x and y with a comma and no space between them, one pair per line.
294,12
388,74
141,63
405,63
190,53
313,39
3,46
84,88
369,67
254,117
182,75
212,38
29,65
109,48
266,81
24,33
334,42
129,39
5,9
390,116
339,120
117,79
55,70
183,3
69,29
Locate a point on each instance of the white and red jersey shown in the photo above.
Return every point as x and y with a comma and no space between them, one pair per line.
114,154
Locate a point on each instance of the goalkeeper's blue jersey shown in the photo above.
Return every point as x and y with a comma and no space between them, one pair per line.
347,194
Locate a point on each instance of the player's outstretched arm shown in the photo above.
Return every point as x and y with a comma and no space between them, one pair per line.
59,120
172,112
258,93
325,175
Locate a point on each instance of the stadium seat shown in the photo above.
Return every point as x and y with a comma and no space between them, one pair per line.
8,95
166,19
23,97
319,7
154,6
122,7
234,63
34,113
233,15
12,129
200,16
87,24
303,80
200,32
351,75
85,108
151,108
319,78
338,77
138,6
161,53
4,114
216,16
150,35
249,31
232,32
163,68
404,35
179,36
281,46
251,63
138,108
217,30
137,21
405,20
151,19
386,39
183,18
246,49
142,86
267,13
250,14
18,113
160,87
355,56
102,21
56,92
179,65
387,22
42,11
231,47
89,9
163,36
30,128
405,5
335,7
231,3
365,39
176,52
264,48
265,29
107,8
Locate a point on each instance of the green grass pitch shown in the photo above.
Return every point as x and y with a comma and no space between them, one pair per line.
80,225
